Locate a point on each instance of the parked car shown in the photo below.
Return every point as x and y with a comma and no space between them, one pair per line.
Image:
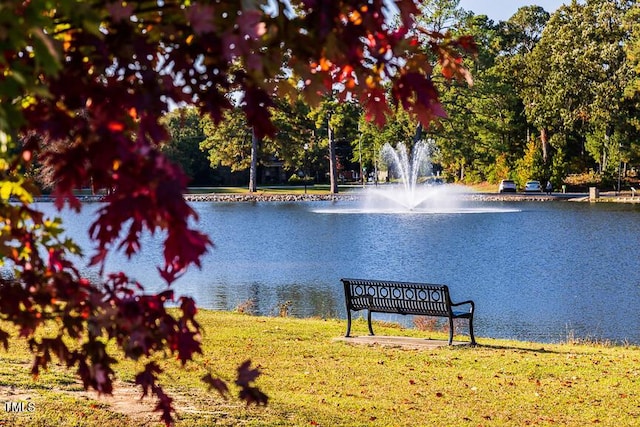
533,186
507,186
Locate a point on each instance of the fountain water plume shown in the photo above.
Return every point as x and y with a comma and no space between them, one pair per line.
409,168
411,196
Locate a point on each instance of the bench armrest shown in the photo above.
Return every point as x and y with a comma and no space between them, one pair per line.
463,303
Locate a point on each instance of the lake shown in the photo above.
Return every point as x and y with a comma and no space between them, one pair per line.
537,271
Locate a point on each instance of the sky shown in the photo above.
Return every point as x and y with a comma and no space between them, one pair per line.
501,10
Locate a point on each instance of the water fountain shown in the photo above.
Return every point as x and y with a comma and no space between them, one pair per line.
414,189
413,192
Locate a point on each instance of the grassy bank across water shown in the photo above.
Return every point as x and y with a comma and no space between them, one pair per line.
313,379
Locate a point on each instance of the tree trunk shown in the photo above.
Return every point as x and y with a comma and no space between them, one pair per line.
333,168
253,169
544,139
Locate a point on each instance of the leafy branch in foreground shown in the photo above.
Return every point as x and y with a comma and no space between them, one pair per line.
83,85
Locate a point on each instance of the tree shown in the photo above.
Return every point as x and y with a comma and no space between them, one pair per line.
442,15
518,36
577,74
336,125
83,86
632,48
477,114
325,124
295,139
232,143
186,133
253,168
521,33
530,166
483,121
229,142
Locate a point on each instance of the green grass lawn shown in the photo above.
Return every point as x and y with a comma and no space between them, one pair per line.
276,189
313,380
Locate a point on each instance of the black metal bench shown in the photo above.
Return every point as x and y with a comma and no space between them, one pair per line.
422,299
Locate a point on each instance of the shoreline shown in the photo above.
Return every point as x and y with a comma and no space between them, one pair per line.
357,195
351,196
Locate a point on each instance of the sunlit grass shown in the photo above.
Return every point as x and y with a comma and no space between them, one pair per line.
313,379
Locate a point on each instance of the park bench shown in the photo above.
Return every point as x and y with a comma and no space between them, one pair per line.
421,299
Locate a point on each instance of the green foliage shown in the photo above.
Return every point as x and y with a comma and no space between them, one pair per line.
577,73
530,166
559,168
557,78
336,131
186,130
295,131
500,169
296,179
228,143
632,49
484,122
472,176
604,148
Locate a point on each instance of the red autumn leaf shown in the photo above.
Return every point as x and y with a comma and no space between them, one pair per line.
256,107
419,96
147,378
250,24
376,106
232,46
408,10
187,345
201,18
118,11
246,375
468,44
115,126
189,310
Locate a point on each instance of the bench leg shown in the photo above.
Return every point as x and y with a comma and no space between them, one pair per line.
473,338
450,330
348,323
369,321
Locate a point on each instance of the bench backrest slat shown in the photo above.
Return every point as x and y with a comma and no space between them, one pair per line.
397,297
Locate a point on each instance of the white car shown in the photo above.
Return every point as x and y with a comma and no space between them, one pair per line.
507,185
533,186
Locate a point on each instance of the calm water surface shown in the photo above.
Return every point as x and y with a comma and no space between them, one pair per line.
537,271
